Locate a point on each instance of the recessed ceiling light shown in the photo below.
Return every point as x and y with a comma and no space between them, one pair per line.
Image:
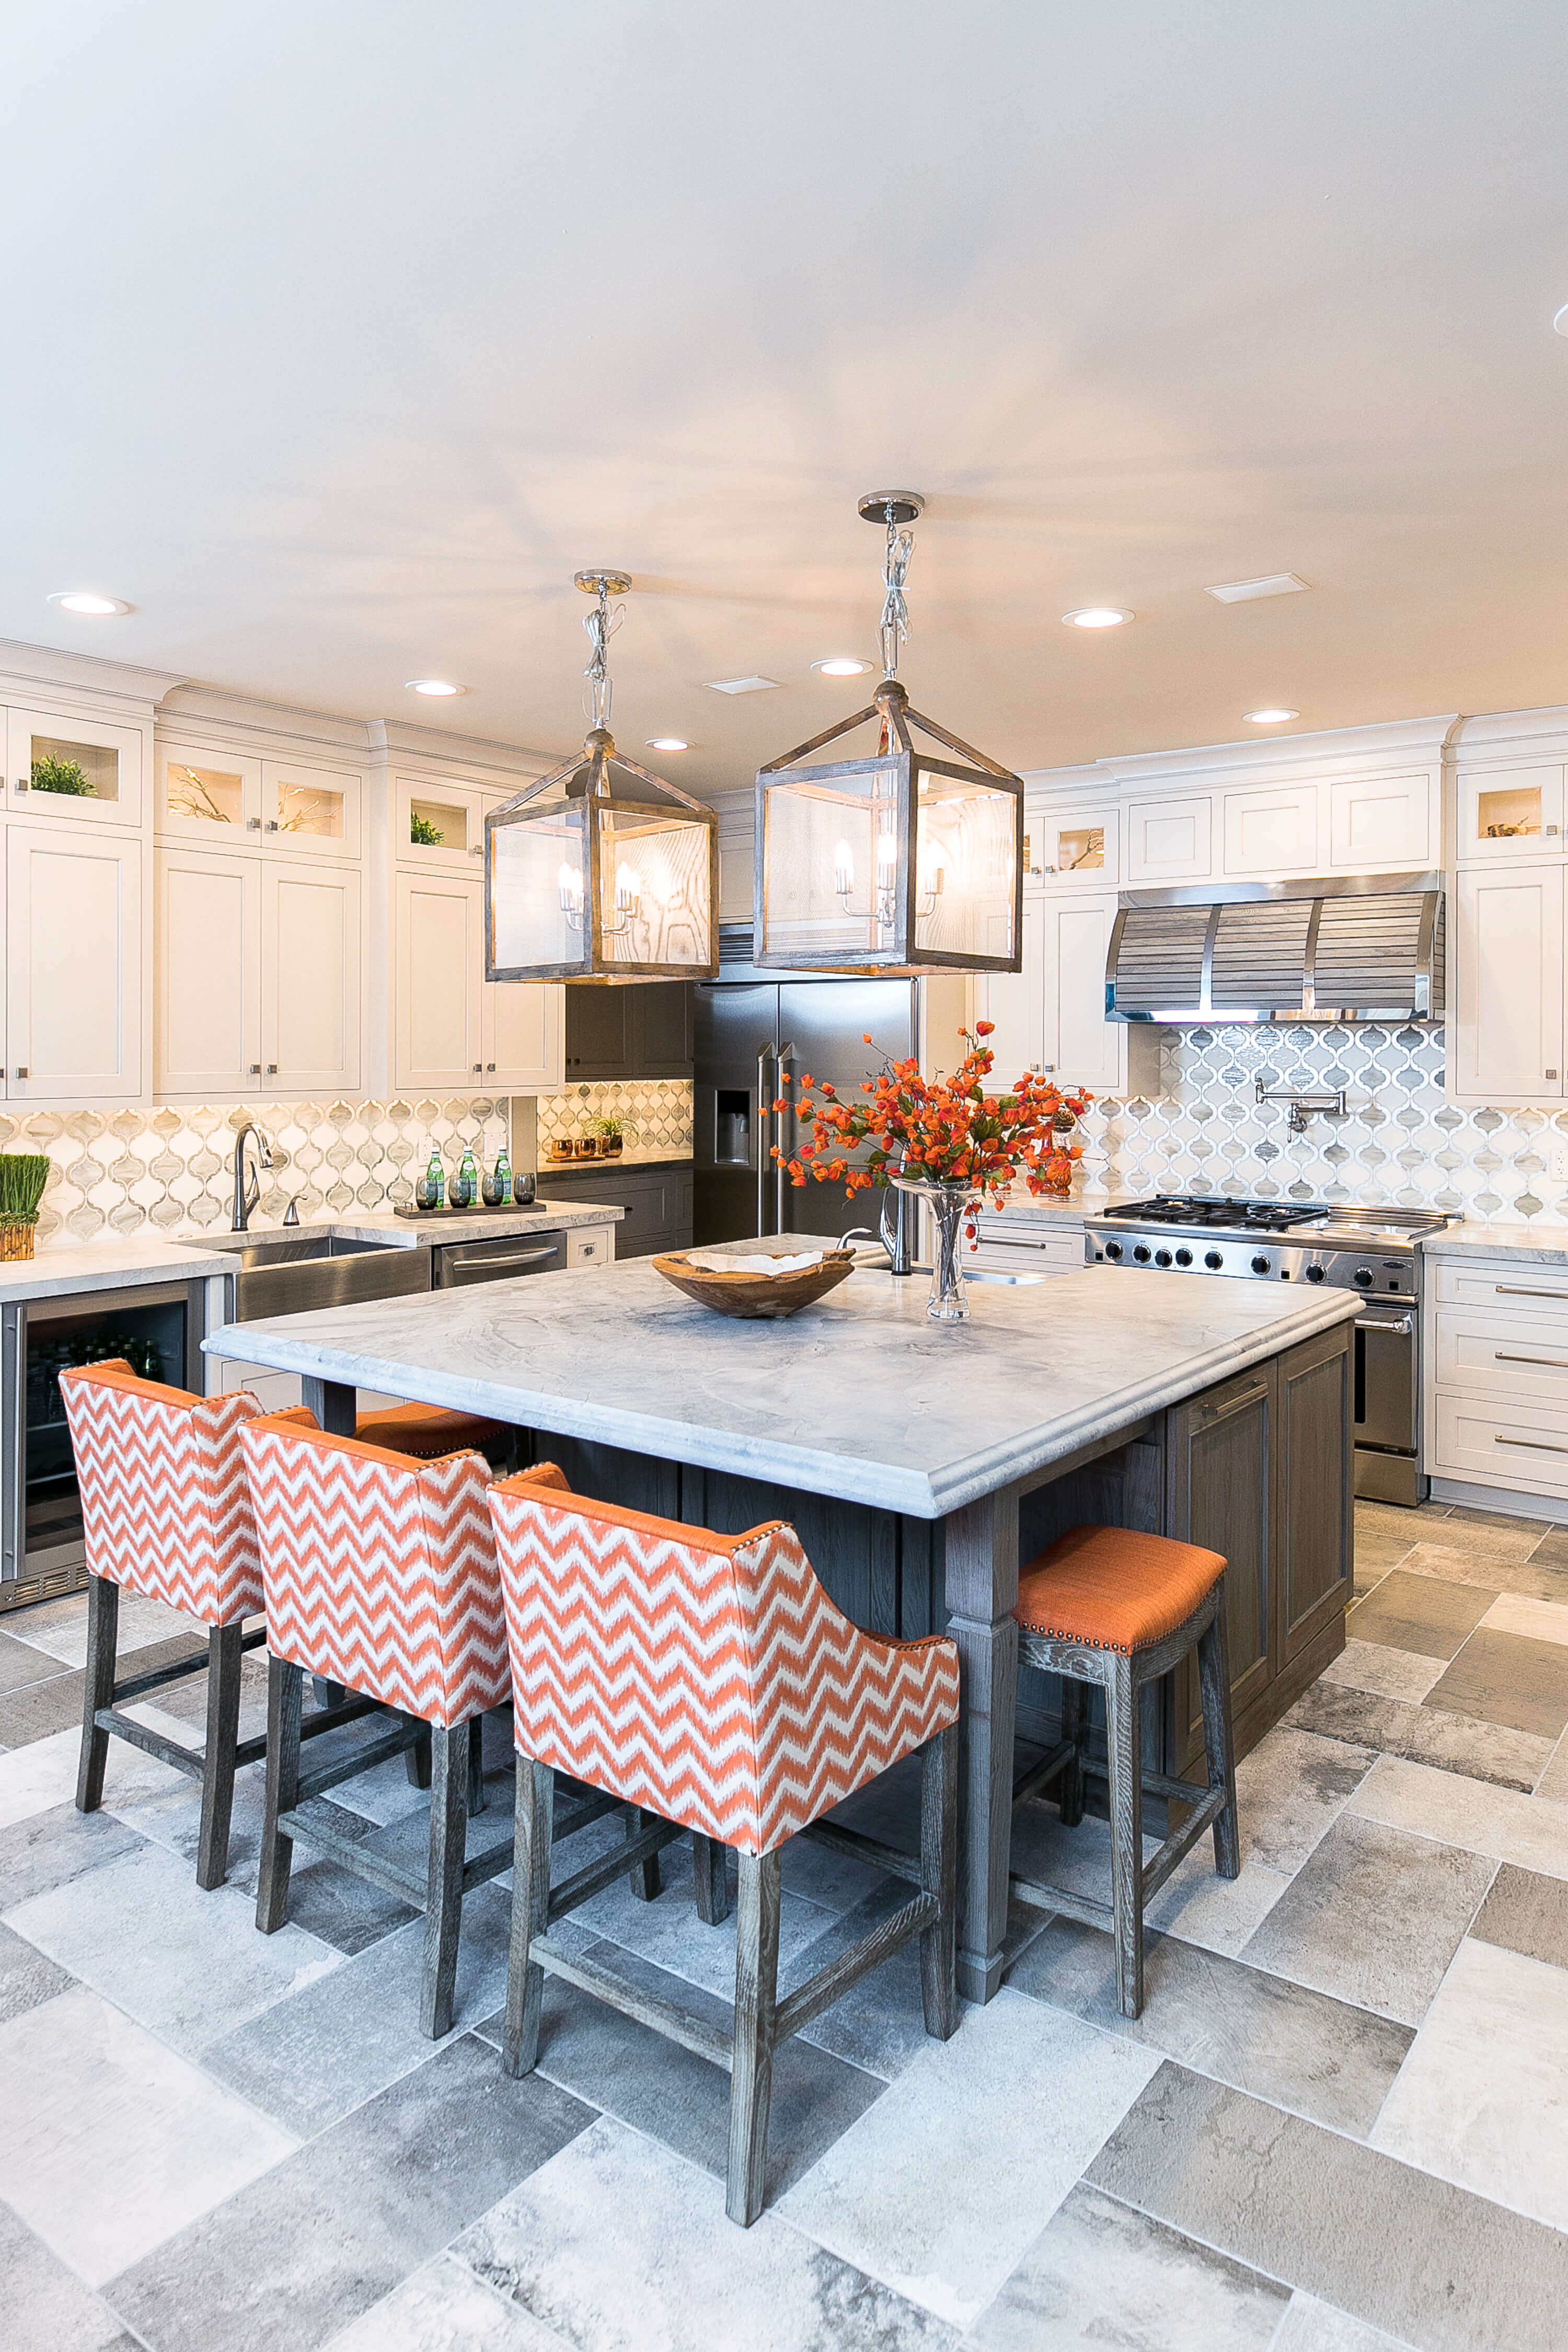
1269,718
742,684
668,743
1561,321
439,687
88,601
842,666
1096,616
1242,592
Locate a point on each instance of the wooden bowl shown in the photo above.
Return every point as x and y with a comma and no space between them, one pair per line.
755,1295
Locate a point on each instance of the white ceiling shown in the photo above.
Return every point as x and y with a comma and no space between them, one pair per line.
337,338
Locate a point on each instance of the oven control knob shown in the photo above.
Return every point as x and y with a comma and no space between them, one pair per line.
1261,1265
1183,1257
1363,1277
1161,1257
1113,1249
1213,1260
1142,1254
1314,1274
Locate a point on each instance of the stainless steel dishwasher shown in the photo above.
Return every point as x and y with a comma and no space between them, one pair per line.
455,1265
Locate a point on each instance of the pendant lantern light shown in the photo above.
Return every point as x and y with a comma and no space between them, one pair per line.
899,860
585,881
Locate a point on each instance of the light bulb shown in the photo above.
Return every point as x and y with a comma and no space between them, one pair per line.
628,888
887,852
843,871
571,888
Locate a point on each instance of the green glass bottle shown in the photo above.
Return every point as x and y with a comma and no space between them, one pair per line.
464,1188
431,1188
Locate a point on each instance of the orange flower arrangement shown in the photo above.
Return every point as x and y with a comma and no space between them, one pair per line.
941,1132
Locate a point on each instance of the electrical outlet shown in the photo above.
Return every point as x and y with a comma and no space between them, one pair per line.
1560,1163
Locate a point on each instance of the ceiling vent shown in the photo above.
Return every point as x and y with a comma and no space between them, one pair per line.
1242,592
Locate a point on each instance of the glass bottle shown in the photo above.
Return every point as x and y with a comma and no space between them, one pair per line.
464,1189
431,1188
498,1186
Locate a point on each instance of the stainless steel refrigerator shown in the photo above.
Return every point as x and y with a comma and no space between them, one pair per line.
752,1027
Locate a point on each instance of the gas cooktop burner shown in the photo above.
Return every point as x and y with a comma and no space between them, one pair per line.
1234,1216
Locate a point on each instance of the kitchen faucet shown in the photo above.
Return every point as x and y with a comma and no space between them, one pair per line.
246,1195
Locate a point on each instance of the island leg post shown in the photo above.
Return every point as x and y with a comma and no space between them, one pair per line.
331,1402
980,1590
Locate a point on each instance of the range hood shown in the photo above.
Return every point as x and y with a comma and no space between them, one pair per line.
1364,947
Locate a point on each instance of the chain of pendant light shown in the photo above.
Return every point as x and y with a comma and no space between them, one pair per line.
601,624
895,623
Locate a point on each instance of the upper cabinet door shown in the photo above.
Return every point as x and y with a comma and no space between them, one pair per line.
1013,1003
207,976
73,966
309,811
438,826
1269,832
1083,1048
77,769
523,1032
439,1021
1384,825
311,990
1508,814
1080,846
1508,1023
1170,841
208,798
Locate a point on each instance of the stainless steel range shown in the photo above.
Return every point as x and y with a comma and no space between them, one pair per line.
1373,1250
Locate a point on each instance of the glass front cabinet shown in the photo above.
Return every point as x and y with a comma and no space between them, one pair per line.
78,770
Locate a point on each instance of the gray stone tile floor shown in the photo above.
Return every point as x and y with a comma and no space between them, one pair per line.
1340,2125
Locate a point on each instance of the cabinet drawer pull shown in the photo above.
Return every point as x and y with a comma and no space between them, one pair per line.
1530,1444
1400,1327
1556,1363
1209,1413
20,1071
1516,1290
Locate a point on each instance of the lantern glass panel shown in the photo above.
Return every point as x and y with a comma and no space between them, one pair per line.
831,866
966,865
538,889
655,895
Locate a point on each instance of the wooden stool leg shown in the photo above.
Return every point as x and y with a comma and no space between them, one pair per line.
416,1755
710,1862
1214,1685
285,1692
530,1915
1075,1726
328,1694
476,1765
645,1878
225,1657
1126,1762
939,1877
752,2070
103,1628
450,1751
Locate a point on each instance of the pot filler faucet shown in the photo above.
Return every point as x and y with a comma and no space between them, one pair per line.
247,1183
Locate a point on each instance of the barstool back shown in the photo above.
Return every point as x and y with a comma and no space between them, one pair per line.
707,1678
164,1507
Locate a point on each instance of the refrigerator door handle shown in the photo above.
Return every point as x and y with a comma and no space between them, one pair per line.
764,1056
785,1057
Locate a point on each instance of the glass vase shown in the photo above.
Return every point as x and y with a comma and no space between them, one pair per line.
949,1205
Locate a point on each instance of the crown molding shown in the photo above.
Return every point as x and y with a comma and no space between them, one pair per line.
52,667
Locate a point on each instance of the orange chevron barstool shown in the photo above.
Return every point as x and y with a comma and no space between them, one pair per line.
709,1681
1112,1607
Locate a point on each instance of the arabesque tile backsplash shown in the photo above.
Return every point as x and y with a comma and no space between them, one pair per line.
1399,1144
171,1171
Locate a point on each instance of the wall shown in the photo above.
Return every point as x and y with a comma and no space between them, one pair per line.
655,1112
1400,1144
172,1172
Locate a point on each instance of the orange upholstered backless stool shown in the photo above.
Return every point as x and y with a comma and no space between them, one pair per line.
1111,1607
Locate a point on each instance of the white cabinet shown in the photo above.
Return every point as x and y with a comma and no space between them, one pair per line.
1170,840
73,965
1508,814
1014,1003
439,827
1266,833
82,772
1074,847
235,799
257,978
590,1244
450,1027
1082,1047
309,811
1509,1010
1382,824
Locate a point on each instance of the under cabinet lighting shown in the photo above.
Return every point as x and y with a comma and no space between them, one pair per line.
439,687
1096,617
88,602
1268,717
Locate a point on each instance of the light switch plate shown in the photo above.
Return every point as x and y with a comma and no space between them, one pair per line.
1560,1163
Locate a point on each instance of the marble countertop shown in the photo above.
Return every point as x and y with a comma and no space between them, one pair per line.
858,1397
1540,1245
107,1265
446,1225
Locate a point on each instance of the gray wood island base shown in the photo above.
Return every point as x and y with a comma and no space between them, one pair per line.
922,1463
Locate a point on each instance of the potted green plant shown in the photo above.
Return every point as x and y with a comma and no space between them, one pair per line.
421,832
23,1176
611,1137
55,775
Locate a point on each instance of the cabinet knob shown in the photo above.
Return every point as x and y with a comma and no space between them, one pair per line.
272,1069
478,1068
22,1074
490,1066
22,784
272,825
478,852
253,825
20,1071
256,1069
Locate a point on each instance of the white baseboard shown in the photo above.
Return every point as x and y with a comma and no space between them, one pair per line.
1498,1499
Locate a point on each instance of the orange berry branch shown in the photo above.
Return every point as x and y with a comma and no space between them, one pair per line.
952,1130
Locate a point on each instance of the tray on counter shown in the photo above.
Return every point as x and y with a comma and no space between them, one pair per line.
479,1209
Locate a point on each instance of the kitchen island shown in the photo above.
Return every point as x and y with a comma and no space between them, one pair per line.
921,1461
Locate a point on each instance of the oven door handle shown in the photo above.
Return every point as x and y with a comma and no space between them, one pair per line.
1401,1327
